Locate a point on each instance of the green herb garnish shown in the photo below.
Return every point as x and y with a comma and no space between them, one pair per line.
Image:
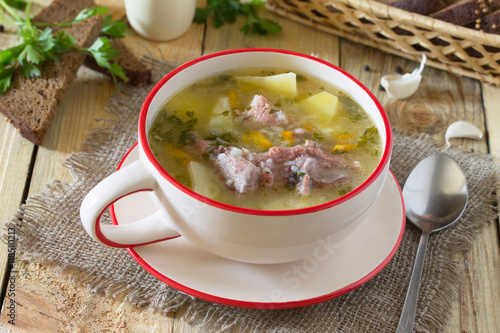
226,11
301,78
344,191
39,46
356,117
171,129
112,28
221,139
103,52
17,4
370,135
318,136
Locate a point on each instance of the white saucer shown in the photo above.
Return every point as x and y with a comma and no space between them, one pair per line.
196,272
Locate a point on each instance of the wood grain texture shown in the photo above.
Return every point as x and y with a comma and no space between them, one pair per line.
441,100
15,159
50,303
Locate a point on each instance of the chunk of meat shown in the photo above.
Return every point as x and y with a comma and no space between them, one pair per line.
240,174
264,114
301,133
281,155
301,166
305,185
321,172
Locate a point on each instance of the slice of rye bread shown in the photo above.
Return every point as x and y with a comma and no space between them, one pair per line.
425,7
466,12
66,10
31,103
135,70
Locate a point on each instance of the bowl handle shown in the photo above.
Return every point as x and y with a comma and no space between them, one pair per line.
128,180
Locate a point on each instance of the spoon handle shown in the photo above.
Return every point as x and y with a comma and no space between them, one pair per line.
407,319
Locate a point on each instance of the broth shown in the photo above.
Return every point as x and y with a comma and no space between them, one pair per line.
266,139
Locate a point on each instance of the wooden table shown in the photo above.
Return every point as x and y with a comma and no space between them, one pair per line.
48,303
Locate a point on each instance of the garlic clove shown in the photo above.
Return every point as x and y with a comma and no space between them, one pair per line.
462,129
403,86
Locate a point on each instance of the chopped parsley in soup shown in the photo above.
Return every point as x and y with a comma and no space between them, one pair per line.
265,139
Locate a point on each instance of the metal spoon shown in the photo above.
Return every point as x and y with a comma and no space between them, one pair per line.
435,196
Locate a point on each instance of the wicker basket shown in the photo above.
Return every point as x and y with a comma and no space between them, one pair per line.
456,49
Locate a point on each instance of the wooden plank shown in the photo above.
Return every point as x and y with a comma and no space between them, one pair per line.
15,159
46,302
442,99
52,304
491,97
294,37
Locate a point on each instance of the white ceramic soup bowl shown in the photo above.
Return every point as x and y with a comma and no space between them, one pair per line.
248,235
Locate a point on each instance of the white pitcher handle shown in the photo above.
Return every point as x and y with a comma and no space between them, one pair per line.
128,180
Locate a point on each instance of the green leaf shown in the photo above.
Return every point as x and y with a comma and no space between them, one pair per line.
30,70
318,136
10,55
103,52
114,28
227,11
256,24
265,26
201,15
370,135
89,12
63,42
46,40
17,4
5,79
31,55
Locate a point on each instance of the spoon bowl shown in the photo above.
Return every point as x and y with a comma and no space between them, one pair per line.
435,196
435,193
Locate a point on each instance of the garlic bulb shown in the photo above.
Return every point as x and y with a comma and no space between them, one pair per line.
462,129
403,86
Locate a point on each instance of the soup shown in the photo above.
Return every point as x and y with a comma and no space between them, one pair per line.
266,139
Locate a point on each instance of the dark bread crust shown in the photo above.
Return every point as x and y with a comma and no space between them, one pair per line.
31,103
61,11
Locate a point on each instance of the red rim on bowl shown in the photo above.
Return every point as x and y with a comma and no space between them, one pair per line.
149,154
265,305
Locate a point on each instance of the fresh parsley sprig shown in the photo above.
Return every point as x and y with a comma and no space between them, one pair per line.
228,10
17,4
39,46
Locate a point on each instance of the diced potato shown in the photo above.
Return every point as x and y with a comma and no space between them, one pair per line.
222,105
323,105
285,84
222,119
204,181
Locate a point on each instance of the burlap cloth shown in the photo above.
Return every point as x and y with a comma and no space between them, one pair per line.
48,229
